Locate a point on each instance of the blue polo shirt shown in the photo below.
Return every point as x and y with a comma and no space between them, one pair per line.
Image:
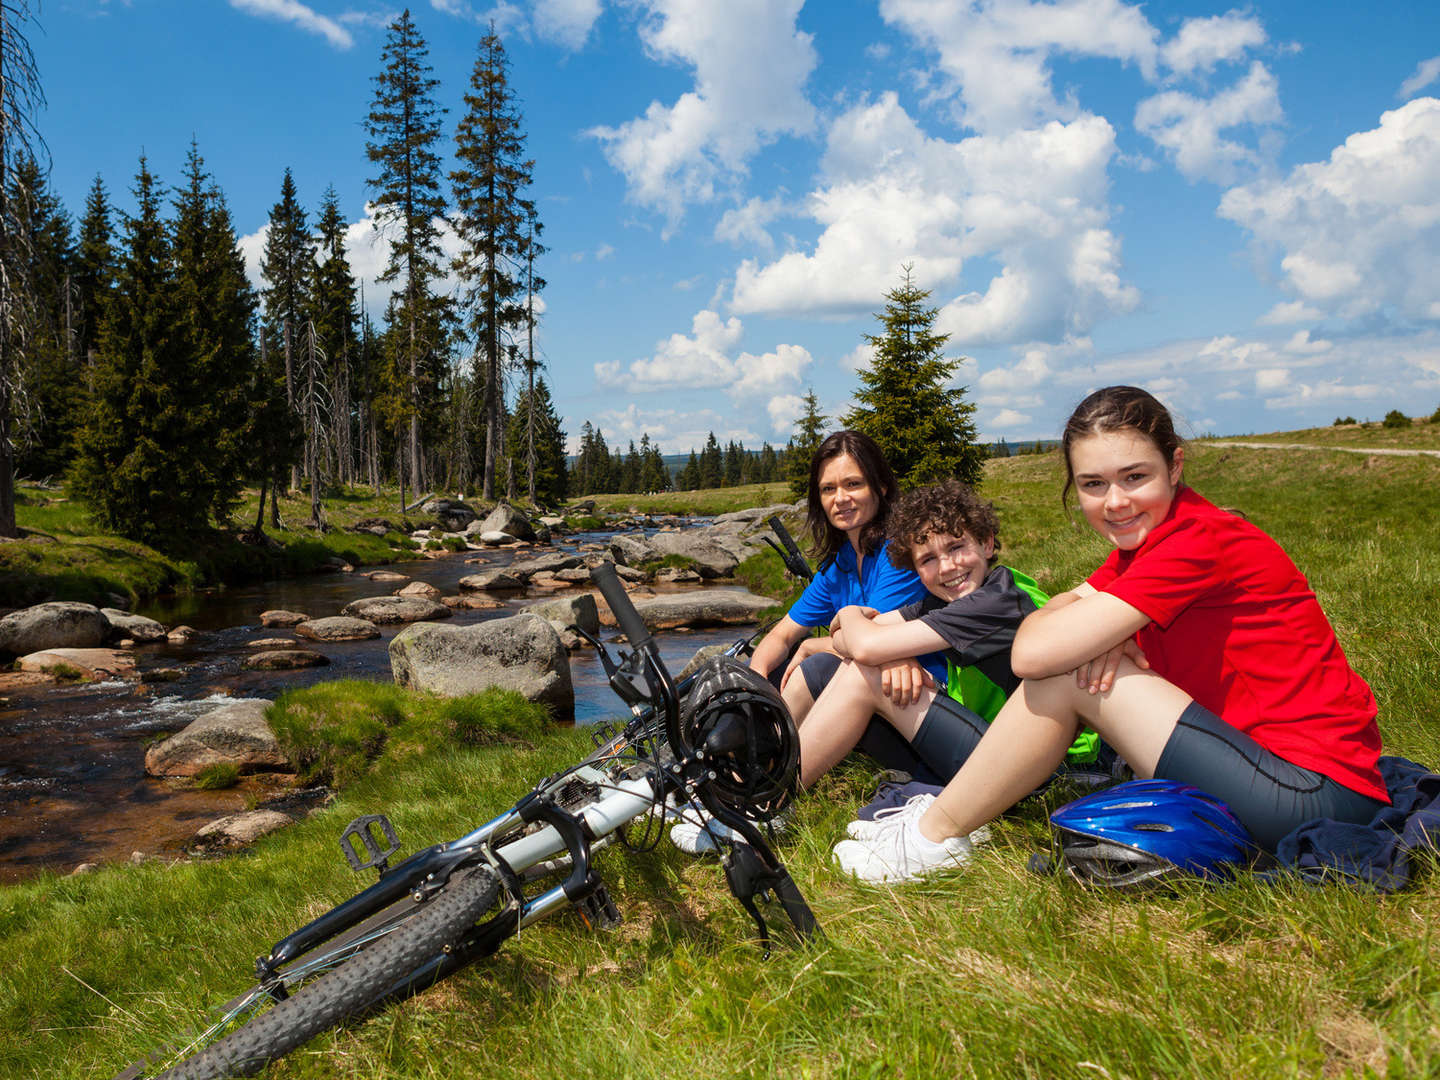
876,584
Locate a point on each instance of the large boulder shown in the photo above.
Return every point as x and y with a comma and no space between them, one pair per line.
452,514
395,609
505,518
91,665
279,617
422,589
632,550
490,581
338,628
544,564
522,653
59,624
580,610
700,607
236,734
710,558
135,627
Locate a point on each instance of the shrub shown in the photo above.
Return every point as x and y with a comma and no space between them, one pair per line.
1396,419
1435,416
1341,421
217,777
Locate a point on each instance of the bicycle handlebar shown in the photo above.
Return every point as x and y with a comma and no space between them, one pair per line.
788,550
631,625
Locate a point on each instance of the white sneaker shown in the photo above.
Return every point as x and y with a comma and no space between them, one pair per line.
892,816
697,833
900,853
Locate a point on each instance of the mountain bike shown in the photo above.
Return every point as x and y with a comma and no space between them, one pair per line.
731,747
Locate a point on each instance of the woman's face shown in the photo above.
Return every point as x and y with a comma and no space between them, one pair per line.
847,498
1124,483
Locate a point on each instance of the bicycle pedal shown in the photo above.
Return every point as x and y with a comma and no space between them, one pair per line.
598,911
362,847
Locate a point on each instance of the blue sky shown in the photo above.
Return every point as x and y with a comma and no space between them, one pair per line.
1238,208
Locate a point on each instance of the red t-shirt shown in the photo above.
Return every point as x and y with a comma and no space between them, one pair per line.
1236,626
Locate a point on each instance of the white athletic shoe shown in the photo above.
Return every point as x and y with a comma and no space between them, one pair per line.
699,833
892,816
900,853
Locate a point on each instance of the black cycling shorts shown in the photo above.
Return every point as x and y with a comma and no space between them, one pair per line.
1269,795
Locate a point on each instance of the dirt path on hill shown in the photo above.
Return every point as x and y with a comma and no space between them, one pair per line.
1316,446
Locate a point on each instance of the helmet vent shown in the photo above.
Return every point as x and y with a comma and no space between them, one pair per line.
1154,826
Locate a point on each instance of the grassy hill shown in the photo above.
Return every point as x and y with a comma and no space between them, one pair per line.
986,972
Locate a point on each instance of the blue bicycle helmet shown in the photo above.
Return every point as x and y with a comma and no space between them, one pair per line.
1144,830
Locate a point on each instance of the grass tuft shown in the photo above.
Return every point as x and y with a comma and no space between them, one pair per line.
218,777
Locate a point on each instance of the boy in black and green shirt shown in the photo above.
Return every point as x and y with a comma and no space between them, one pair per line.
950,538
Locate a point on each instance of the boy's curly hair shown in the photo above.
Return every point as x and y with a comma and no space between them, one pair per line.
948,507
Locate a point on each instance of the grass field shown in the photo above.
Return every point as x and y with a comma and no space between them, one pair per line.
986,972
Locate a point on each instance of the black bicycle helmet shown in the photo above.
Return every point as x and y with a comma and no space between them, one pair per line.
737,723
1144,831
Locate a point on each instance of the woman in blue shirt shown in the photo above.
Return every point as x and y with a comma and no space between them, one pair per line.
851,489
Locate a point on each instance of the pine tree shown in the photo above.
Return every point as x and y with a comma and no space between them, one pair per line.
334,308
809,434
287,268
689,479
768,467
215,309
20,98
49,364
127,466
497,224
712,464
653,474
538,421
404,125
926,431
94,268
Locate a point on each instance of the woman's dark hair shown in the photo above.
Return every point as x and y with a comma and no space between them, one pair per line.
828,539
1119,408
948,507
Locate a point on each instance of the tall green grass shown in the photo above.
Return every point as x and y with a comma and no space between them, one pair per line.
988,972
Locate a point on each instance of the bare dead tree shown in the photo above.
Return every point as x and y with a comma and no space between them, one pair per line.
20,98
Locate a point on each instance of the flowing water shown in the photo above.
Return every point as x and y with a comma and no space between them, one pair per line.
72,783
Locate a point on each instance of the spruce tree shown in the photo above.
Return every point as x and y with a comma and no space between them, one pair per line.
126,466
534,418
94,267
287,268
404,126
689,479
809,434
334,316
653,474
496,222
215,309
926,430
712,464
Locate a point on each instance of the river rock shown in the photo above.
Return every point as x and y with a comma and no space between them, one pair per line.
183,635
493,538
422,589
271,643
490,580
338,628
632,550
59,624
505,518
386,575
235,733
564,611
135,627
473,602
282,619
522,653
702,607
94,665
395,609
677,575
710,558
452,514
236,830
284,660
545,564
550,521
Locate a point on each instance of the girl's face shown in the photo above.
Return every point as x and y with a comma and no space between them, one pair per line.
1124,483
847,498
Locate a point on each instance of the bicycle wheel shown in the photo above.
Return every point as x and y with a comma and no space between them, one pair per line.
349,978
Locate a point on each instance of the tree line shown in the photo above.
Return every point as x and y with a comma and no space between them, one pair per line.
138,362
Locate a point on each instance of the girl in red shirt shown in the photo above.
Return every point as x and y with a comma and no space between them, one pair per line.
1197,650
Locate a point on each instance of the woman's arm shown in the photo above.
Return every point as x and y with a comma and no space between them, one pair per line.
1071,630
883,638
775,646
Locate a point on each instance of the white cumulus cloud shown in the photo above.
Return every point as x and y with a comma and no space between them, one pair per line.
1358,234
1426,72
751,65
301,15
1203,43
567,22
1190,128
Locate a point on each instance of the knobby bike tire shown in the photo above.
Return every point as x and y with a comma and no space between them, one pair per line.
350,988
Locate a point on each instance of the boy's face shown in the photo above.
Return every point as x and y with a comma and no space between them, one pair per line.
952,566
